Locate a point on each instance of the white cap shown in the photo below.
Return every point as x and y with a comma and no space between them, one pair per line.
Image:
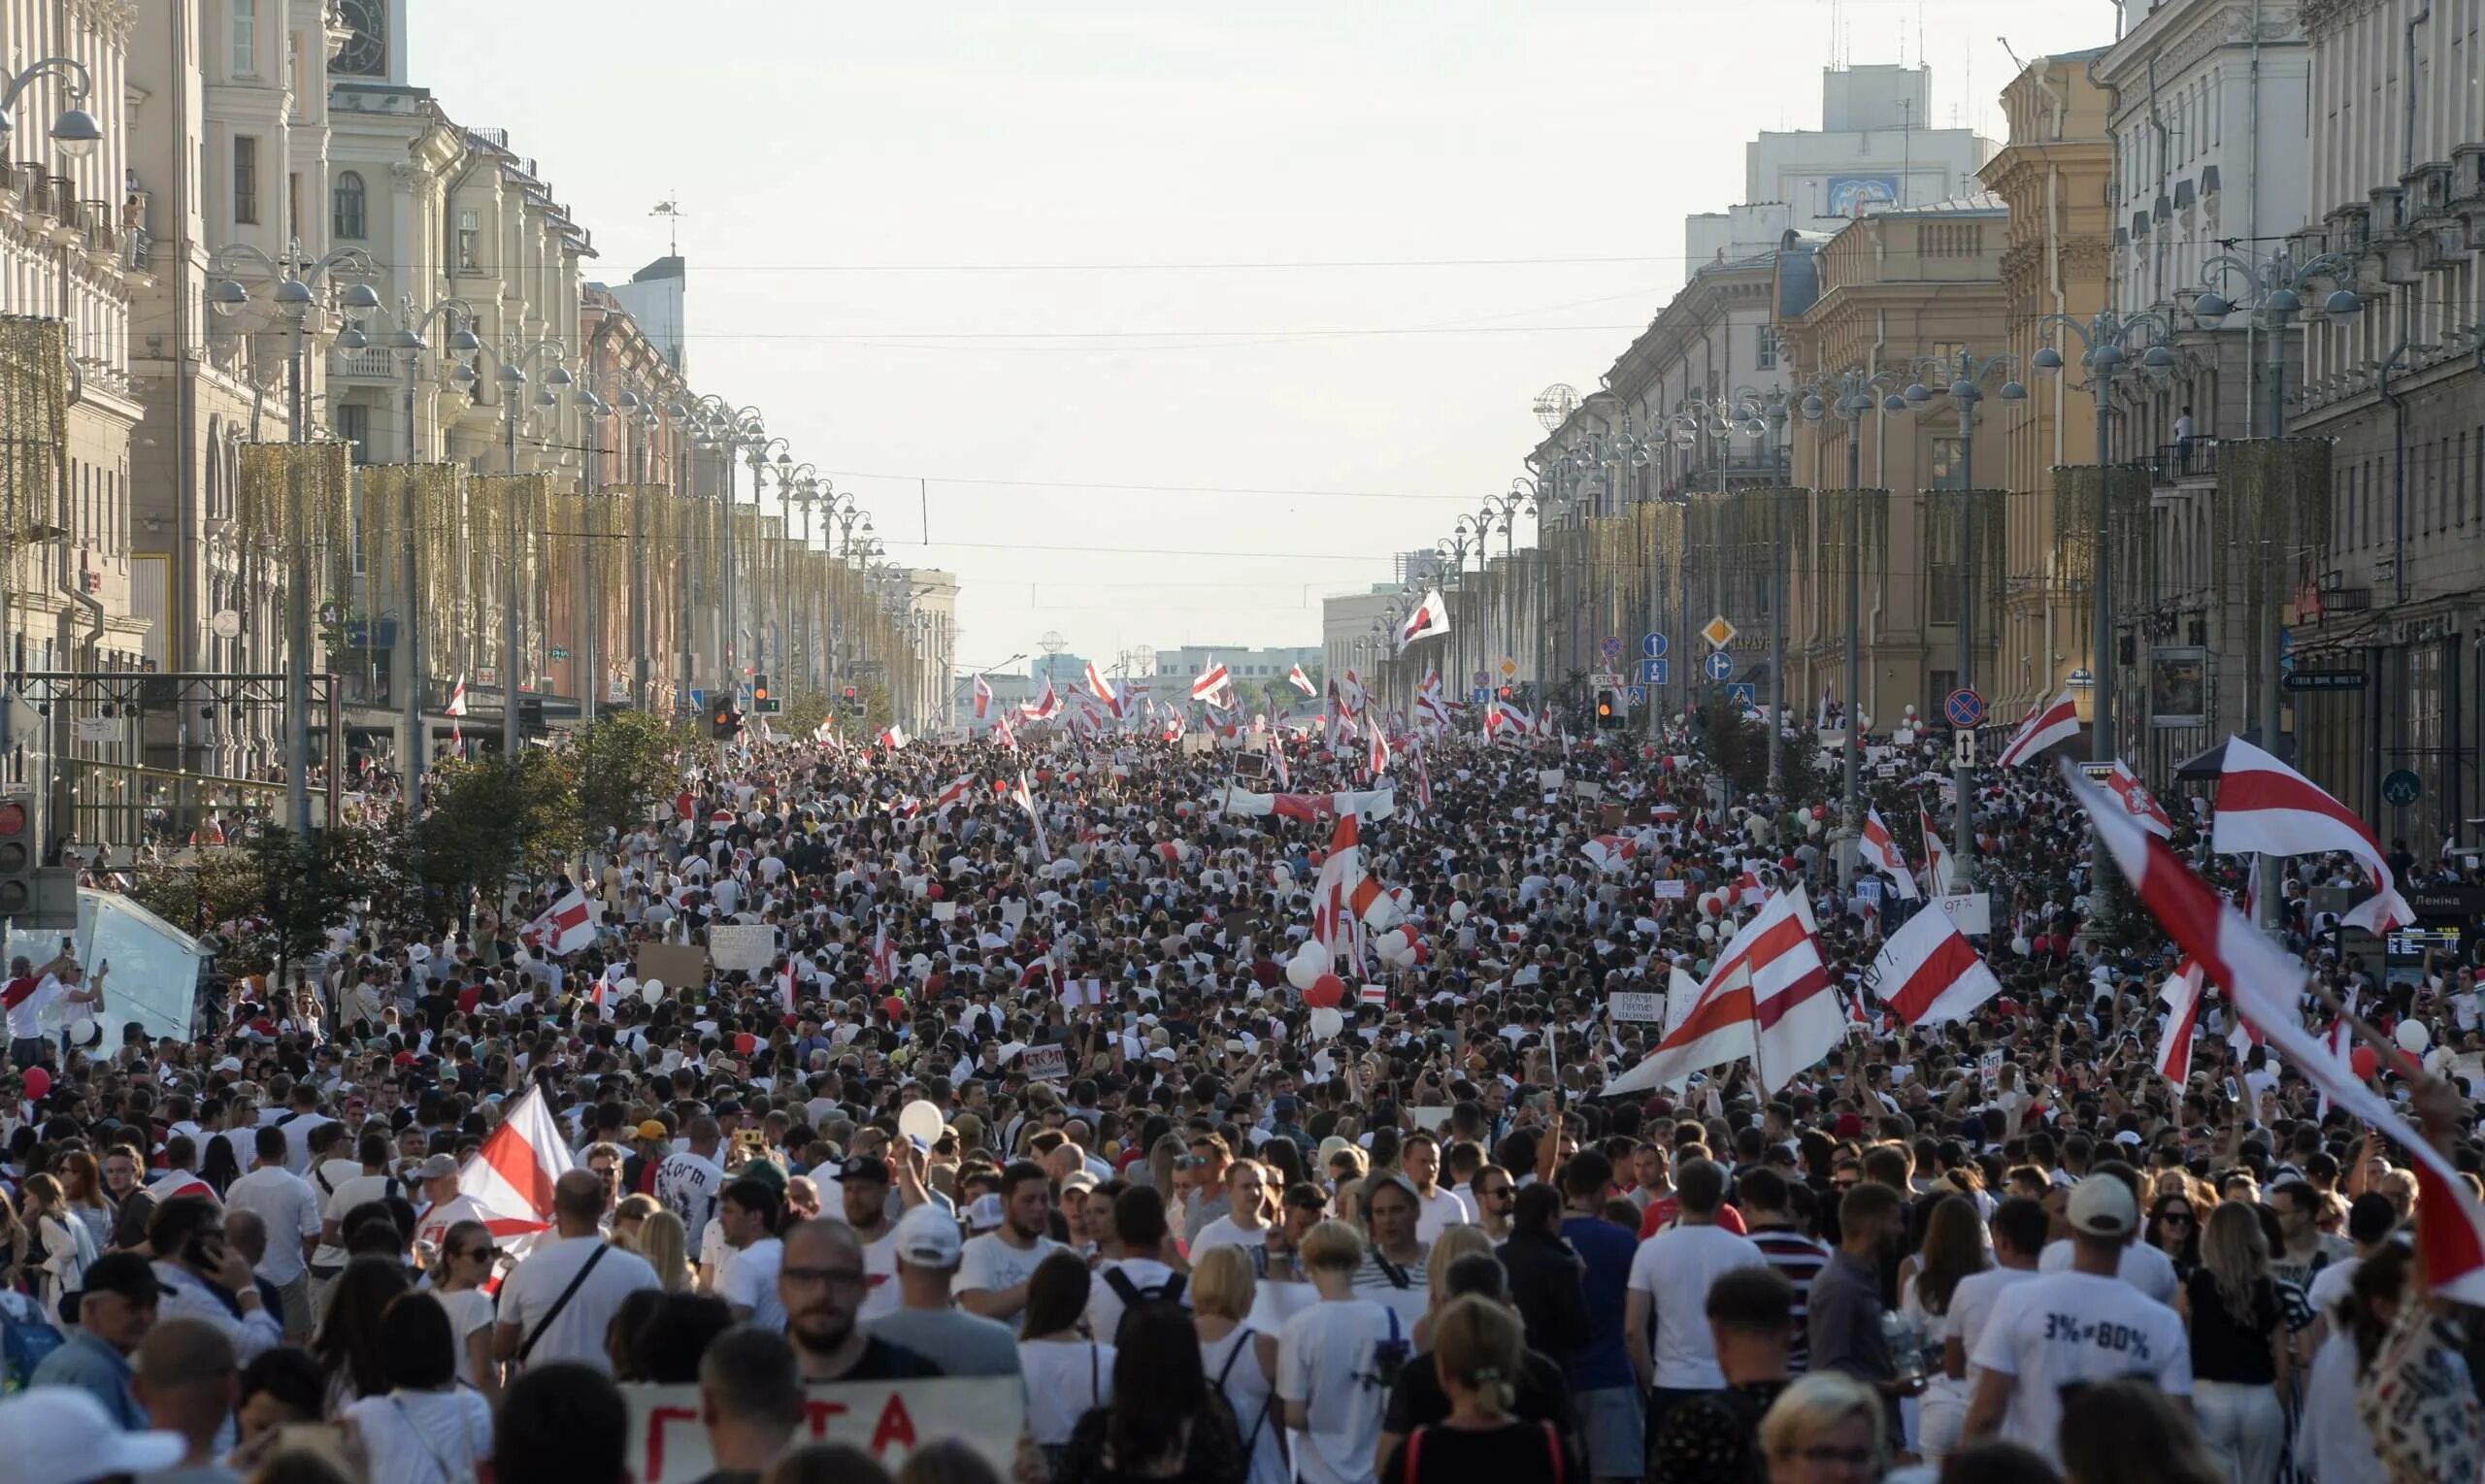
2102,1206
61,1435
927,1236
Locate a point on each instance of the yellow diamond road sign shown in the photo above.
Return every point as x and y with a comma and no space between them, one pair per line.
1510,668
1718,632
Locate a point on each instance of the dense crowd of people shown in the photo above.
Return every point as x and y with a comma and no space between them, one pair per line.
1032,1085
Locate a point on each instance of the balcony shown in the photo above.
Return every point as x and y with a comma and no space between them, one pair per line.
371,363
2177,464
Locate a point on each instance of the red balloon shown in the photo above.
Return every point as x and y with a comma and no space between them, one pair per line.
37,1082
936,891
1326,993
1423,951
2363,1061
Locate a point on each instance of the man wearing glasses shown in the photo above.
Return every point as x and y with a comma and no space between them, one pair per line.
821,1285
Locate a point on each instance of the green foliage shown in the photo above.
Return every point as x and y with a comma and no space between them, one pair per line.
223,885
492,818
803,714
623,764
270,900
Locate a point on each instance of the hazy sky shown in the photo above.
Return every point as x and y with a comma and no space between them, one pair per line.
982,244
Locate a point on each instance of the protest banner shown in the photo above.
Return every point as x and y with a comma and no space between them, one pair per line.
887,1419
746,947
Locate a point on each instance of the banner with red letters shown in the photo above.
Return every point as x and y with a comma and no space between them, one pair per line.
888,1419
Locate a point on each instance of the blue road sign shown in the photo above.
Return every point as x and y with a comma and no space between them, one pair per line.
1639,693
1652,646
698,699
1611,648
1479,695
1656,672
1744,691
1965,708
1719,665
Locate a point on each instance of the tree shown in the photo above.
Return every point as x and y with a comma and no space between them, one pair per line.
803,714
492,818
1739,745
624,764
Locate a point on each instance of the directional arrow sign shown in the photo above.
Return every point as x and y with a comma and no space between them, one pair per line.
1719,665
1656,672
1652,646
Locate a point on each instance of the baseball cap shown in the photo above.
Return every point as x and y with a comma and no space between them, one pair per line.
61,1435
1077,1179
927,1236
438,1167
1284,1106
864,1166
651,1129
2101,1206
986,1215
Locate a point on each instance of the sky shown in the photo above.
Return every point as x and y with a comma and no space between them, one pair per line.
1157,321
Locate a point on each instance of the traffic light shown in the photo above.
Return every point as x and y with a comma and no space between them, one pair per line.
1507,692
762,699
724,723
16,859
1612,709
530,717
852,700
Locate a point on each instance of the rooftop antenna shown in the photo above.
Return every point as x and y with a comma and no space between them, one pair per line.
670,210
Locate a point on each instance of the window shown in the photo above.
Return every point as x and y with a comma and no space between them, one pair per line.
293,207
245,38
245,181
348,199
1766,351
1947,472
470,236
353,425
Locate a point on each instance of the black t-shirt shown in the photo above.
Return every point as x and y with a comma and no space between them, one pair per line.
884,1362
1418,1400
435,1009
2224,1349
1515,1450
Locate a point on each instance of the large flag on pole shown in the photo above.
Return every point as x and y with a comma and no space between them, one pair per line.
509,1179
1303,682
1929,975
1430,617
1211,683
2181,993
1103,689
2127,786
1027,801
565,927
2265,808
982,698
2046,723
1940,874
2267,990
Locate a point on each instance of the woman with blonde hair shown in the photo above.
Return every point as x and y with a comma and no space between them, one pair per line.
57,1258
2241,1361
1825,1426
1241,1362
630,1218
1453,1244
665,1243
1479,1347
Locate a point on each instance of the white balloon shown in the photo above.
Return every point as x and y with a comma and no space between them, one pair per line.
2412,1036
1391,943
1707,933
1407,958
652,991
1325,1023
1306,966
2436,1059
1458,911
921,1120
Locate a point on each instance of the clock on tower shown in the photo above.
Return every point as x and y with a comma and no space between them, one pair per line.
366,55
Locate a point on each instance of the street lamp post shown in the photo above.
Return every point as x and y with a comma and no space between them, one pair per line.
2106,344
300,292
1965,372
730,429
1848,397
410,345
2277,286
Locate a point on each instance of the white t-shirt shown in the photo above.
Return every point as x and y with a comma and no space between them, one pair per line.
577,1332
1676,1268
2332,1284
2070,1327
1325,1361
1105,1307
26,1017
991,1265
290,1209
422,1436
355,1189
469,1309
1065,1378
2142,1266
434,1224
1971,1305
1223,1232
879,1270
689,1185
1444,1209
749,1280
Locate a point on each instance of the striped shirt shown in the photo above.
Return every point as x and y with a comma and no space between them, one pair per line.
1797,1259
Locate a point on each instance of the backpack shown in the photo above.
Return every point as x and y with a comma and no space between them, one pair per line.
1132,1295
26,1336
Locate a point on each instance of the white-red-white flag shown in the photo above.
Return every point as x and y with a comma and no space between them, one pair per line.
1708,1024
2265,808
509,1179
1940,875
1929,975
894,739
1880,852
2046,723
1004,734
565,927
982,698
1334,923
1027,801
457,697
1103,689
880,969
1302,682
1430,617
1211,683
2266,989
954,794
2125,785
1609,853
1045,707
1376,753
2181,995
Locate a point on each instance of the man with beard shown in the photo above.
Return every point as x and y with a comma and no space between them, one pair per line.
821,1285
993,1274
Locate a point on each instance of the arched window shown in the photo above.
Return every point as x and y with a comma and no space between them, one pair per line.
349,199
